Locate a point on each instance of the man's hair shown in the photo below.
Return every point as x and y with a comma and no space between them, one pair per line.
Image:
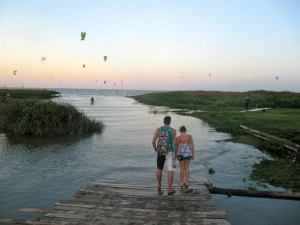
167,120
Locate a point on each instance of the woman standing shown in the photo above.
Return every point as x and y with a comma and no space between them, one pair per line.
185,153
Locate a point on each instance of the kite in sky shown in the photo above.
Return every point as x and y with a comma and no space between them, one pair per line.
276,78
15,72
43,58
105,58
83,66
83,35
105,82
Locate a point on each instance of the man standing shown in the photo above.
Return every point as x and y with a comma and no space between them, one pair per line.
163,143
247,102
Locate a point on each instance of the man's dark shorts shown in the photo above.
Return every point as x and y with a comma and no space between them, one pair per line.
161,161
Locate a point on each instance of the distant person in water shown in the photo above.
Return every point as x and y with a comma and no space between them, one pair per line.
163,142
92,100
185,152
247,102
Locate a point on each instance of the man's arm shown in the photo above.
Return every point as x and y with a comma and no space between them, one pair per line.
155,136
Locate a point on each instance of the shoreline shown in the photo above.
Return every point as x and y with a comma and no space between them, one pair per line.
222,110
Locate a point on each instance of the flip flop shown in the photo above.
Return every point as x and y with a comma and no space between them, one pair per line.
159,191
188,190
172,192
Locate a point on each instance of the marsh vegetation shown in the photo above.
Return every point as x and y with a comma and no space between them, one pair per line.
222,110
26,112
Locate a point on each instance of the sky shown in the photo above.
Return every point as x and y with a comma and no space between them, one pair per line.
226,45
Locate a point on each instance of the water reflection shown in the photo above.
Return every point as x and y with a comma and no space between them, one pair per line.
36,173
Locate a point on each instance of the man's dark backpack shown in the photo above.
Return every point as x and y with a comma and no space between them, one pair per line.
163,143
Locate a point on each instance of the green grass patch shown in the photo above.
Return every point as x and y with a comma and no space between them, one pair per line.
42,118
222,110
27,93
278,172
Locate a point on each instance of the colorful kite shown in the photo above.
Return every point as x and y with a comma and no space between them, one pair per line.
83,35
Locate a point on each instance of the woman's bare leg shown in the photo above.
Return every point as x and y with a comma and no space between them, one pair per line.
181,172
186,171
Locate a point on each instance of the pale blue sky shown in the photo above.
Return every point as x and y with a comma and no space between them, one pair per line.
152,44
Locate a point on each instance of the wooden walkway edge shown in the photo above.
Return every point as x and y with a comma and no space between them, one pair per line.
112,203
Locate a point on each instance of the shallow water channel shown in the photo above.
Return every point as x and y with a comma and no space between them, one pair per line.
36,173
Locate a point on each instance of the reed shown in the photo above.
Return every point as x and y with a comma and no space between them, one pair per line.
27,93
222,110
43,118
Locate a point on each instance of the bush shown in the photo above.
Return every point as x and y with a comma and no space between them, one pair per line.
44,118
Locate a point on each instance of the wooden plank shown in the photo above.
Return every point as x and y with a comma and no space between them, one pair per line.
116,221
256,110
179,196
154,216
135,187
287,144
137,192
32,210
18,221
83,208
254,193
111,203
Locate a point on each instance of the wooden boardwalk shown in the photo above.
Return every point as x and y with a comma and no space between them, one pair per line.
112,203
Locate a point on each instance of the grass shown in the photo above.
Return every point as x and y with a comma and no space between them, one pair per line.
222,110
280,172
42,118
27,93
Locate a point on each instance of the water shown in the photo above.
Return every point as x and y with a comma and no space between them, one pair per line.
36,173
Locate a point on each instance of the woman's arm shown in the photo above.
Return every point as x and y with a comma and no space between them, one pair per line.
193,147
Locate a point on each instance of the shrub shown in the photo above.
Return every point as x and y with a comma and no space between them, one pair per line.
44,118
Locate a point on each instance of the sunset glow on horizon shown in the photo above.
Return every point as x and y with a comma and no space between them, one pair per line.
153,45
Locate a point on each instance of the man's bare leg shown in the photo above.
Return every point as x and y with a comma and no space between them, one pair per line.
170,181
159,177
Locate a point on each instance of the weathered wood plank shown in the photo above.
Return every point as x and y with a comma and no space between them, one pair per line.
254,193
134,214
82,208
105,203
33,211
115,221
19,221
144,194
286,143
140,186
